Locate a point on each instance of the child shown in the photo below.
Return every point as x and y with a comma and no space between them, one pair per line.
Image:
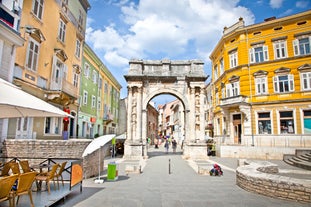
216,170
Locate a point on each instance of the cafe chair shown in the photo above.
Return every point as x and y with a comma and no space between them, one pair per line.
6,169
15,168
24,185
25,166
59,175
47,177
6,185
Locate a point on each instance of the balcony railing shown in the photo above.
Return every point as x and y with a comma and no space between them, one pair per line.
65,87
232,101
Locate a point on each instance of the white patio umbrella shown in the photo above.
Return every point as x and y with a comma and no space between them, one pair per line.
96,144
15,102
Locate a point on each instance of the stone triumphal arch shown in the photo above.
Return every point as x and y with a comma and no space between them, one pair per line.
182,79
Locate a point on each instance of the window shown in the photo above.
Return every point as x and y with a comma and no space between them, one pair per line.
280,49
261,85
85,93
307,122
78,48
233,89
32,55
100,83
302,46
258,54
286,122
93,101
62,30
106,87
215,72
86,70
305,81
75,79
283,83
221,66
94,78
37,8
264,123
233,56
52,125
98,104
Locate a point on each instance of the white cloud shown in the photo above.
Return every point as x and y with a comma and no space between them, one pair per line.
275,4
166,28
115,59
302,4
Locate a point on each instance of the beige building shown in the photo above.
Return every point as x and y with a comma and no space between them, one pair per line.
49,64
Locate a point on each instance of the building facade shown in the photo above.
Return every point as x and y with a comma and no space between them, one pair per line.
49,64
99,98
261,83
152,121
10,39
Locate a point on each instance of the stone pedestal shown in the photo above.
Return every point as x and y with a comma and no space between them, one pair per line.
195,151
133,151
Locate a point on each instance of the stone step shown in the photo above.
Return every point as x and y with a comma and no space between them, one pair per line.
288,161
307,156
298,159
303,158
299,163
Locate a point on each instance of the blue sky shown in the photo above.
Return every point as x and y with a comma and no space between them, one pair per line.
119,30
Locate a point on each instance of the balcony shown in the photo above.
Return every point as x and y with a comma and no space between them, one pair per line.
108,118
233,101
64,87
10,18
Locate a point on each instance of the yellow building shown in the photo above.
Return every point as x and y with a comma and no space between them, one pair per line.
261,84
49,64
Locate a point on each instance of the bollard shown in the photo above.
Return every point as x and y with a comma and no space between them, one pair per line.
169,166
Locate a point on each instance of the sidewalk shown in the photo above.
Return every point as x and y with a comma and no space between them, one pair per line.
161,185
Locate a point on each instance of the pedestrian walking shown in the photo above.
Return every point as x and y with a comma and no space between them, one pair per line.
174,145
167,146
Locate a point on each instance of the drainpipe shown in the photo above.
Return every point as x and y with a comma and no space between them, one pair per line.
250,89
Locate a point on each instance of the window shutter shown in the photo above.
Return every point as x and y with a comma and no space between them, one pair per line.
291,82
275,84
265,53
65,71
251,55
228,89
295,45
257,86
54,68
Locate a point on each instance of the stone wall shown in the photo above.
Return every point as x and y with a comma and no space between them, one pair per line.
254,177
37,151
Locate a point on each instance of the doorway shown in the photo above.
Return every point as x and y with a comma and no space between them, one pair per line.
237,126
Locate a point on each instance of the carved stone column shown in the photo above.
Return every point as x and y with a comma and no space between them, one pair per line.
129,114
202,114
192,115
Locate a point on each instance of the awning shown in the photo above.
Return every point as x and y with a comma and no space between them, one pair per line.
15,102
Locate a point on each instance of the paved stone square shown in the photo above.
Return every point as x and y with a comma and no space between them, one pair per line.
182,187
